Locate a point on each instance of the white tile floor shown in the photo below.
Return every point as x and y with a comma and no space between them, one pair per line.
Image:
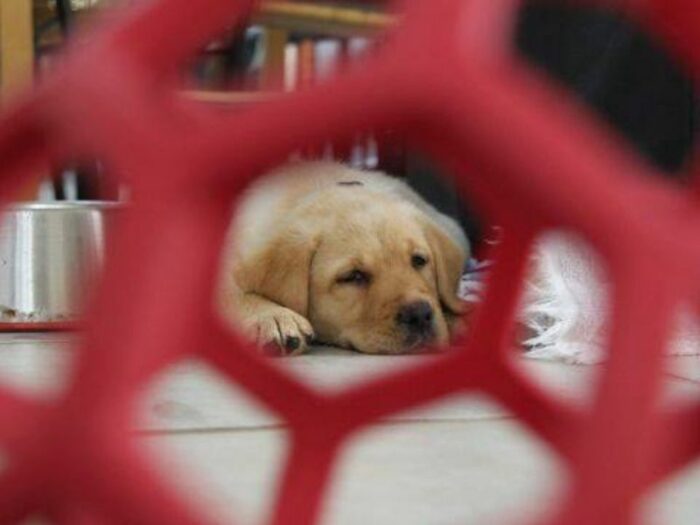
463,460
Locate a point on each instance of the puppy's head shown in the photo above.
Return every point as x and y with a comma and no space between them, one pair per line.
370,273
384,278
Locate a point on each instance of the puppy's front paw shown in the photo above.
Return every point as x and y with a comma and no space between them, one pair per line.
280,331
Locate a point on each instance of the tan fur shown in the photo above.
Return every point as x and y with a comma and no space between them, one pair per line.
297,231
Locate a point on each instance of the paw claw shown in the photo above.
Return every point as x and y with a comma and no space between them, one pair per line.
292,343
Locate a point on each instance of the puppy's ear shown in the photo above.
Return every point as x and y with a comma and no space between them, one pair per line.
449,258
280,271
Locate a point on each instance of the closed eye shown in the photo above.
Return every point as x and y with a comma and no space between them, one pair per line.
418,261
356,277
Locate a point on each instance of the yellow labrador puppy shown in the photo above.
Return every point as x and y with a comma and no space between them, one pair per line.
323,252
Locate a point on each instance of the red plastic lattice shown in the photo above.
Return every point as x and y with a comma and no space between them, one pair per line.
449,81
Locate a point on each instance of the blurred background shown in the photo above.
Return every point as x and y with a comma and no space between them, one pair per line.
614,67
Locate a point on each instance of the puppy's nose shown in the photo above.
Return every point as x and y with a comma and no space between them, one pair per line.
416,317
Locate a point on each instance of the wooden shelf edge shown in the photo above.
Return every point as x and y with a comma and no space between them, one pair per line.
302,14
230,97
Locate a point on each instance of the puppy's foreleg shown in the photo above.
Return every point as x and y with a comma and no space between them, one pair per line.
275,328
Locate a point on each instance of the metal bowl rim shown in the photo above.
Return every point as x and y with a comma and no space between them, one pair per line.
62,206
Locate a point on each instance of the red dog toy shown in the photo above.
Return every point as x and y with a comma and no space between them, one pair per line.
449,81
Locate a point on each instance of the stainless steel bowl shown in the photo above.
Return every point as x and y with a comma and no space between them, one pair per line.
50,256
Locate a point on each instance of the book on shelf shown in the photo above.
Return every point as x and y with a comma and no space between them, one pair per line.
272,60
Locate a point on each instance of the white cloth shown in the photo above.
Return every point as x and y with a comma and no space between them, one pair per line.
565,305
565,301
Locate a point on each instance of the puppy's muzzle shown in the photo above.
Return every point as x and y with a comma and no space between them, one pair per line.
417,321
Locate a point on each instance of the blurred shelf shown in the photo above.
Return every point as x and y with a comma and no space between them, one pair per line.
297,17
304,17
230,98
